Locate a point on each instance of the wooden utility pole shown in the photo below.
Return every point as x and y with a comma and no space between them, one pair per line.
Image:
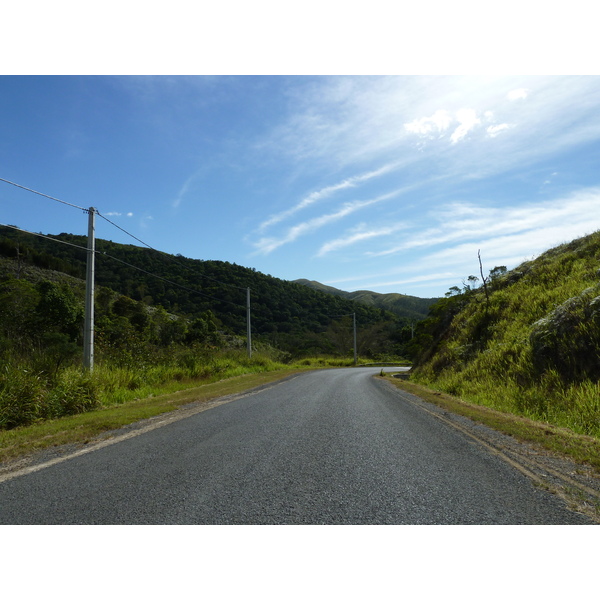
248,328
88,328
355,353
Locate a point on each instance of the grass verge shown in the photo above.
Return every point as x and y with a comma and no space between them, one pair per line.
82,428
580,448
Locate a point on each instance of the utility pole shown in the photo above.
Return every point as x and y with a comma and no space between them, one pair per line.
88,328
248,331
355,354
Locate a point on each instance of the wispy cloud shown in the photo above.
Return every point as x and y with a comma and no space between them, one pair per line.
359,234
183,190
447,252
266,245
461,221
431,278
145,221
350,121
494,130
324,193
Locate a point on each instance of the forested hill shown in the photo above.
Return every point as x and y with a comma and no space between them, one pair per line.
282,311
410,307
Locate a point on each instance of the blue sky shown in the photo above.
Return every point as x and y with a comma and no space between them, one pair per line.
388,183
243,132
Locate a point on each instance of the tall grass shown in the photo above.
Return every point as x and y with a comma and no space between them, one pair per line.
533,348
32,391
27,395
324,361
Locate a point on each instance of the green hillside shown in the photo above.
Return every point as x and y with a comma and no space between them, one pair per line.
284,314
525,341
162,323
406,307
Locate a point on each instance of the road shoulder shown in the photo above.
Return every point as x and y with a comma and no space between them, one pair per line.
576,482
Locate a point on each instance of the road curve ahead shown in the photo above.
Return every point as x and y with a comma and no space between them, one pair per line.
326,447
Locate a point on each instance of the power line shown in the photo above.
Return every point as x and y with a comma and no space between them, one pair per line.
170,257
88,357
126,232
44,195
167,280
86,210
123,262
44,236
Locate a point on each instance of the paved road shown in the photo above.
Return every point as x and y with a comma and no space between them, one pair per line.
326,447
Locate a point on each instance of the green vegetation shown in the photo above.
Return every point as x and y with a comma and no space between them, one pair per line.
156,335
526,342
84,427
290,317
28,395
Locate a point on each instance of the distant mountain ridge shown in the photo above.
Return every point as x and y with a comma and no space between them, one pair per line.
410,307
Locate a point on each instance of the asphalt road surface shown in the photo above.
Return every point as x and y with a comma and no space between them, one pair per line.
325,447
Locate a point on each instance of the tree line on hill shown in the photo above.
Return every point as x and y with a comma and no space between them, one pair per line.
157,298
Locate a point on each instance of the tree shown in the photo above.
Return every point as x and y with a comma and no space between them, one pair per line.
18,299
58,310
341,333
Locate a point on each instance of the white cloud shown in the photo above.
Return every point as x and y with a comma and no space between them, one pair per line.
358,236
118,214
432,278
268,245
494,130
462,221
337,122
518,94
438,123
326,192
468,120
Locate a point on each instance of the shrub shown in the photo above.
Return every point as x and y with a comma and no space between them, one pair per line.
21,396
74,392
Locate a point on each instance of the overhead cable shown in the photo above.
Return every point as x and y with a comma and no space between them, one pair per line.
117,226
44,195
169,256
122,262
44,236
121,229
167,280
